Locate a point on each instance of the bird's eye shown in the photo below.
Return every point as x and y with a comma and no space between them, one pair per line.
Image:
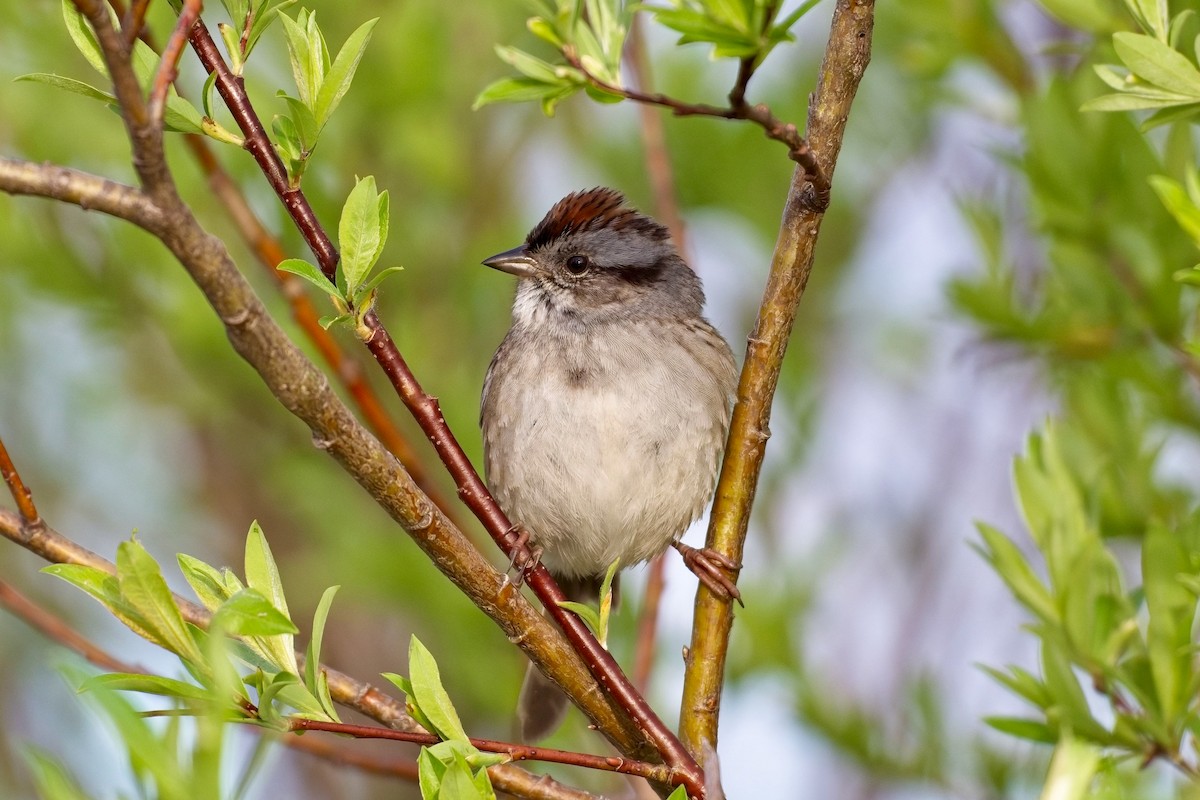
577,265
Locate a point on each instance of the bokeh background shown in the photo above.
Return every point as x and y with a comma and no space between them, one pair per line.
853,666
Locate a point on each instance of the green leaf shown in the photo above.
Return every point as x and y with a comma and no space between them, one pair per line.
429,695
1171,611
103,587
329,320
314,676
680,793
53,780
529,65
237,11
1023,728
1179,204
181,116
518,90
146,684
458,783
360,234
71,85
1155,62
232,39
205,581
265,14
142,586
341,73
429,774
1135,101
310,273
83,37
405,685
589,615
250,613
304,55
1012,567
261,571
371,285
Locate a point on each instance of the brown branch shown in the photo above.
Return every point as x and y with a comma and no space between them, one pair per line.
89,192
133,21
846,58
17,488
518,752
168,67
426,411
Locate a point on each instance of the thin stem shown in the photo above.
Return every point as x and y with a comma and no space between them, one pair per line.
17,488
168,67
518,752
760,114
133,21
846,58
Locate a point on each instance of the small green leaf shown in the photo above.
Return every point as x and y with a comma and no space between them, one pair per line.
261,571
53,780
429,694
529,65
1023,728
329,320
680,793
458,782
589,615
341,73
305,58
359,232
1156,63
405,685
181,116
83,37
70,85
370,286
309,272
146,684
250,613
237,10
517,90
232,38
265,14
313,674
1012,567
1179,204
143,588
429,774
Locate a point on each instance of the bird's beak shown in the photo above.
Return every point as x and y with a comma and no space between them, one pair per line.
515,262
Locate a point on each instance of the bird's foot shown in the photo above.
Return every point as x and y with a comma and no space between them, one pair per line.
524,558
710,567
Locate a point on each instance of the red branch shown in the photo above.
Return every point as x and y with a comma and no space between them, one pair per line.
518,752
20,492
168,66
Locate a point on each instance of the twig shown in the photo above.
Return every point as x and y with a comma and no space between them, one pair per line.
169,64
426,411
59,631
846,58
760,114
133,21
518,752
654,142
647,635
17,488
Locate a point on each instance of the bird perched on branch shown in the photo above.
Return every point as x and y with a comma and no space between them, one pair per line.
606,407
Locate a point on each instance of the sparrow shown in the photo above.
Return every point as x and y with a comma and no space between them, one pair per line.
606,407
